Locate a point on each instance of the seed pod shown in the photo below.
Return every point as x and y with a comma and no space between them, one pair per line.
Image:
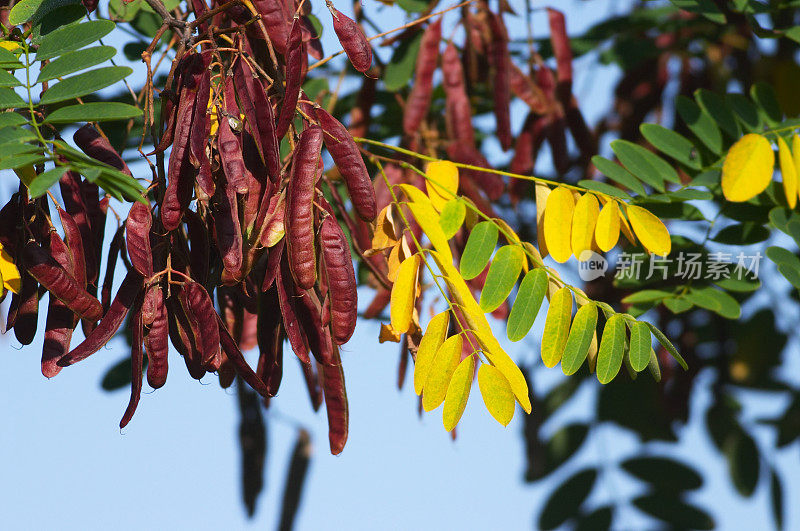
169,112
137,227
528,91
341,280
114,250
273,265
60,319
295,478
156,338
52,276
309,313
179,185
348,159
419,100
237,358
96,146
137,358
201,121
294,77
74,204
26,309
182,338
77,256
273,14
300,208
310,36
458,113
287,300
501,88
265,120
230,145
312,380
227,229
352,39
200,311
244,83
110,323
335,404
10,225
270,341
253,442
199,251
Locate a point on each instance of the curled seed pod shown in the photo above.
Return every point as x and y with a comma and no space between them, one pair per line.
352,39
200,311
201,121
294,77
182,338
291,323
335,404
309,313
341,280
229,145
96,146
237,358
110,323
74,204
137,359
114,249
270,341
227,229
156,339
60,319
458,112
26,310
74,241
300,207
348,159
137,227
419,100
61,284
501,90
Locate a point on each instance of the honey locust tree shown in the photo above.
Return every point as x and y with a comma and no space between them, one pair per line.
247,216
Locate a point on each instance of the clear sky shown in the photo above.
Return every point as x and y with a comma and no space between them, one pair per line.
67,465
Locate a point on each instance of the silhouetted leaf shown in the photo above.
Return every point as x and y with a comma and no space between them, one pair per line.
674,511
664,473
565,501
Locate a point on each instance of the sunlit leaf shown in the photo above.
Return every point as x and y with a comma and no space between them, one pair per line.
671,143
650,230
496,392
558,223
480,246
442,182
748,168
94,112
72,62
700,123
640,345
527,303
502,276
667,344
441,372
612,346
606,232
427,217
70,38
617,173
556,327
431,341
452,217
10,99
584,221
458,393
42,182
580,337
542,192
401,306
85,83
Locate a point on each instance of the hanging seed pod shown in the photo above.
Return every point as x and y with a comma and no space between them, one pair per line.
501,85
227,229
200,311
201,121
458,113
229,144
137,358
156,340
236,357
276,20
352,39
60,319
72,196
338,266
419,100
336,404
137,228
114,250
183,339
270,340
288,305
294,78
96,146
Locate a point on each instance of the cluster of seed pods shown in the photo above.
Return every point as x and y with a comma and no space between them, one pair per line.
229,219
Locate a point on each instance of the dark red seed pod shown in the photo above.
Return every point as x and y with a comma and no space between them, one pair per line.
419,100
276,20
200,311
501,87
137,359
179,185
201,121
74,204
294,78
110,323
156,340
114,249
236,357
311,38
402,365
562,52
169,111
60,319
96,146
273,265
55,279
458,112
10,225
378,304
182,338
227,229
199,251
244,83
74,241
26,310
291,323
270,341
229,144
309,313
137,228
312,380
352,39
528,91
347,157
300,208
335,404
265,122
341,280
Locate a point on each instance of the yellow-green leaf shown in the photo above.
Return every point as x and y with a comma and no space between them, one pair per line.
583,224
556,327
747,170
640,345
428,219
502,276
453,214
480,246
788,172
401,303
496,393
442,182
558,223
441,372
580,338
527,303
458,393
430,343
650,230
612,347
606,233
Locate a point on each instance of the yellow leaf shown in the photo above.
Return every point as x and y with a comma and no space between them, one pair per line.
430,343
747,170
583,224
441,372
591,356
788,172
442,182
401,303
556,327
796,156
9,272
388,333
496,393
26,174
650,231
558,223
384,235
606,232
396,257
458,393
626,230
428,219
9,45
542,193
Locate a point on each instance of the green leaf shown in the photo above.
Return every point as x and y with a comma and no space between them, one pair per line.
604,188
35,10
413,6
788,264
72,62
716,301
640,345
401,67
8,80
665,474
21,160
690,194
612,347
85,83
93,112
700,123
565,501
647,295
716,107
764,96
674,511
10,99
73,37
16,135
671,143
644,164
502,276
745,111
8,60
11,118
742,234
556,327
677,304
480,246
42,182
776,499
739,281
15,148
527,304
617,173
580,337
452,217
743,462
667,344
706,8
